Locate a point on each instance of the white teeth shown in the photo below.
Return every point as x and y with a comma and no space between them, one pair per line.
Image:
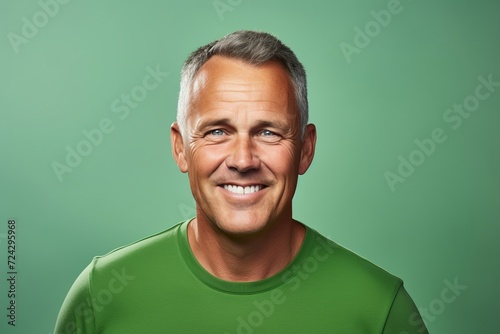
240,190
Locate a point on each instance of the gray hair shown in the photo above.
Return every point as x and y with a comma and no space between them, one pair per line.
255,48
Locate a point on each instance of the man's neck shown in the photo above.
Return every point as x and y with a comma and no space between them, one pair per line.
245,259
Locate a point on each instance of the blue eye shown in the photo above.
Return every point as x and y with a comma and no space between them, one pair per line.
268,133
217,132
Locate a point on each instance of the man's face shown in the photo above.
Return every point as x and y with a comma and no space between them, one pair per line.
242,146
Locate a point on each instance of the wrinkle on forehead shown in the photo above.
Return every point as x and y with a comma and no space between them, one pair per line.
223,80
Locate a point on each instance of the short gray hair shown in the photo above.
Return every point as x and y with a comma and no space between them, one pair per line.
255,48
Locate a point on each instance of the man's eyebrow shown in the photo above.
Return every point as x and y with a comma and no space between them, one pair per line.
228,122
214,122
270,124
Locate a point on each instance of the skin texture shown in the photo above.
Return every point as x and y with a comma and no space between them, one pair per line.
243,129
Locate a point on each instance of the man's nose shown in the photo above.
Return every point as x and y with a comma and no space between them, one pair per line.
243,155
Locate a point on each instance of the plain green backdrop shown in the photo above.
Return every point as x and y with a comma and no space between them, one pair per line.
382,77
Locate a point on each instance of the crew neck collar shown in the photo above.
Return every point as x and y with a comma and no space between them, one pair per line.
242,287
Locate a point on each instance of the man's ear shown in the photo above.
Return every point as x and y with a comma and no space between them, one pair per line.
308,148
178,147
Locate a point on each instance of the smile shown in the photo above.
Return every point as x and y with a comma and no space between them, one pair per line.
243,190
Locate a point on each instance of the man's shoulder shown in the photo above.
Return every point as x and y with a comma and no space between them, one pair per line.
147,249
343,265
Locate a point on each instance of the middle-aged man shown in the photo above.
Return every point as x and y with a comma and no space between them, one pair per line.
243,264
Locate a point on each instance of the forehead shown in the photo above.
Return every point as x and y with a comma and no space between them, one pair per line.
223,80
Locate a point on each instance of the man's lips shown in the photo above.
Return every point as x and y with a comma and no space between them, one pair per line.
243,189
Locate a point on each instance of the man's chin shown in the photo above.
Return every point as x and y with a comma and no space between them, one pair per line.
239,228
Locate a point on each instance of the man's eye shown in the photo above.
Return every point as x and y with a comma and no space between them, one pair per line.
216,132
267,133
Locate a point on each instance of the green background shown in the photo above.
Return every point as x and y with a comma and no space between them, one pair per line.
441,224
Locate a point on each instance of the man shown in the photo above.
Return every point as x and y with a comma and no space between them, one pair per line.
243,264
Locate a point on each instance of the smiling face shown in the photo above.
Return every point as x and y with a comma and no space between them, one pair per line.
242,146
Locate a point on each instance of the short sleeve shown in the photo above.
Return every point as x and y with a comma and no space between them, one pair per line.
76,314
404,317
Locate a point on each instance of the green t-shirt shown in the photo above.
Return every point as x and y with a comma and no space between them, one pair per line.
156,285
